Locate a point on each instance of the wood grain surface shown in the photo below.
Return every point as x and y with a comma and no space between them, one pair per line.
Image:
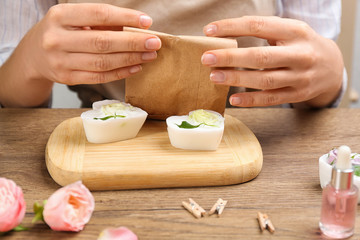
149,160
287,188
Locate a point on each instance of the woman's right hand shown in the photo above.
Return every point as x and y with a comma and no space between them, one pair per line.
85,44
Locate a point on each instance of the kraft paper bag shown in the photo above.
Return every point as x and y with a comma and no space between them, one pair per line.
176,82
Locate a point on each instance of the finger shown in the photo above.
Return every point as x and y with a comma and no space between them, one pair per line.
97,14
252,57
266,97
84,77
90,41
267,79
268,27
106,62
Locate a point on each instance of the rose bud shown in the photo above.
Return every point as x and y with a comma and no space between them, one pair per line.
12,205
121,233
69,208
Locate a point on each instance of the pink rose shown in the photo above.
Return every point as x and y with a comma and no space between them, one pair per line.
121,233
12,205
69,208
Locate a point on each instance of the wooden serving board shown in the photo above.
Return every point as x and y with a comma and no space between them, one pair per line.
149,160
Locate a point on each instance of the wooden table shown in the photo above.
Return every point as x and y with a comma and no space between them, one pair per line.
287,188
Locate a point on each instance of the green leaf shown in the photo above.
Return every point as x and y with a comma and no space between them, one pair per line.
38,210
357,170
20,228
108,117
185,124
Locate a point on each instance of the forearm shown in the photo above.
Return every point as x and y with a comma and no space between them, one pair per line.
19,86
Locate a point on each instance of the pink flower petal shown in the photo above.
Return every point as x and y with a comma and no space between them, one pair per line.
12,205
120,233
69,208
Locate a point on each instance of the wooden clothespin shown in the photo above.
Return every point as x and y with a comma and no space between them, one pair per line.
265,223
218,207
194,208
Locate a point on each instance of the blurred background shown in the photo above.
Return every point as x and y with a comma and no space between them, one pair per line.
350,34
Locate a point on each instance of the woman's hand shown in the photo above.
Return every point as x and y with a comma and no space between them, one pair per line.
85,44
298,66
76,44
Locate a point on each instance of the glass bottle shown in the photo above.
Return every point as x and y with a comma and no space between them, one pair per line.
339,199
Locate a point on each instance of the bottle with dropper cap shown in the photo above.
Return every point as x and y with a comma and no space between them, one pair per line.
339,199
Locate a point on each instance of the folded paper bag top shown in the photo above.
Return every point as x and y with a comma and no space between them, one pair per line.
177,82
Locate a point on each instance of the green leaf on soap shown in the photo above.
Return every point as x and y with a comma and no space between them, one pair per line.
185,124
108,117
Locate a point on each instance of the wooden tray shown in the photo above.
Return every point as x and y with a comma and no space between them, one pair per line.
149,160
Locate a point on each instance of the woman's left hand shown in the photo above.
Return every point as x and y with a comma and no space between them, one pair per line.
298,66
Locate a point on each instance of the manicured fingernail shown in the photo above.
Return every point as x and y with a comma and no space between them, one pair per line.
149,56
153,43
135,69
235,101
210,29
208,59
145,21
217,76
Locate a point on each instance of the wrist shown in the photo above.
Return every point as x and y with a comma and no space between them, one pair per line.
21,86
328,98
